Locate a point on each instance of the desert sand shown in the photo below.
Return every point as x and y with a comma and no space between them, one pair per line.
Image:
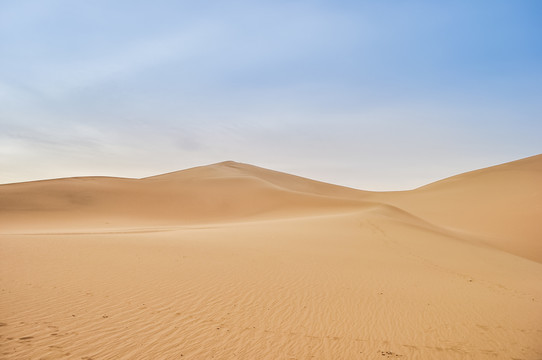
233,261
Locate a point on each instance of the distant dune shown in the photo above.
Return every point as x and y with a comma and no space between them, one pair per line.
233,261
221,192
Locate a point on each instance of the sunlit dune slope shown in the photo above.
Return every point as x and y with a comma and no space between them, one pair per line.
501,204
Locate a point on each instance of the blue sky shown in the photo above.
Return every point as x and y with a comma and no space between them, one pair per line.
371,94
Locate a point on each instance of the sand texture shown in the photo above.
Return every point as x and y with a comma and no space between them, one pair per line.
232,261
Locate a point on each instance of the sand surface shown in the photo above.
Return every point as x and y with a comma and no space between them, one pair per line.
232,261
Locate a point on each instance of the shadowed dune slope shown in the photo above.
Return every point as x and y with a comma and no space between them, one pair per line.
501,204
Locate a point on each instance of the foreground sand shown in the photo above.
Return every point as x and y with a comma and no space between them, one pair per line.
261,265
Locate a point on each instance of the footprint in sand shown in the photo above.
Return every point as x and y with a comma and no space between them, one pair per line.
389,354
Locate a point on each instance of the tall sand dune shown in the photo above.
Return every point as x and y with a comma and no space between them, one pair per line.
232,261
215,193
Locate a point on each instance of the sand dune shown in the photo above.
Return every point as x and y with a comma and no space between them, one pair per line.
501,204
216,193
232,261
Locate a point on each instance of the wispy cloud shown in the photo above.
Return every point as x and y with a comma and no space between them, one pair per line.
360,93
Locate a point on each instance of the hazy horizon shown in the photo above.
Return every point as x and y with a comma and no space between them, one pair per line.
367,95
230,160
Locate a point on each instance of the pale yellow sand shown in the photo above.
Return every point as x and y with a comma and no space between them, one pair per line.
232,261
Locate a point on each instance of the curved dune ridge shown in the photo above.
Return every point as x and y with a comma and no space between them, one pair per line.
233,261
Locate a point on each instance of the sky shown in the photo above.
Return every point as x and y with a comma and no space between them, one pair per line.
376,95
